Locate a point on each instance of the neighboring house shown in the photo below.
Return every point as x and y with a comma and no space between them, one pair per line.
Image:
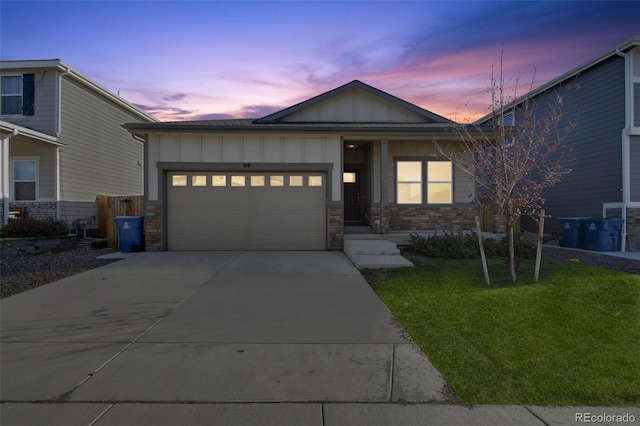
292,180
605,180
62,142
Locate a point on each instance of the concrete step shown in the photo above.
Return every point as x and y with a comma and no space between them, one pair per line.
378,247
376,261
375,254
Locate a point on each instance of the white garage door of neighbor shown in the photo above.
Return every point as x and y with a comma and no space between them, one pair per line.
246,211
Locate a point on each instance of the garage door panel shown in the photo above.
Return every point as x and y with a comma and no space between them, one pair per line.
246,218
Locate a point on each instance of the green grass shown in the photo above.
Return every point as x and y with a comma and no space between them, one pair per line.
573,339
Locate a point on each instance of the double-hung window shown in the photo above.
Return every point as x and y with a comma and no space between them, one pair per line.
18,94
409,182
25,179
419,181
439,182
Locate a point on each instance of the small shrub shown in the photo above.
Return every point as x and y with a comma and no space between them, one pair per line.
447,245
523,248
31,228
466,246
491,248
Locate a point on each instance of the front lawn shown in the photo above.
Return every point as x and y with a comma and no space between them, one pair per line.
573,339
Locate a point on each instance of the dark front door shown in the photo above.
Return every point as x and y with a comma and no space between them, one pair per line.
352,210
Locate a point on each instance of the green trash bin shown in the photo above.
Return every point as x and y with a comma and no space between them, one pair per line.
573,231
603,234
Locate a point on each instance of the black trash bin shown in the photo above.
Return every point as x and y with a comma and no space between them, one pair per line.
131,233
603,234
573,231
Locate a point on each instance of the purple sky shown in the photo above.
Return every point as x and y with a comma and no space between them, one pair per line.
191,60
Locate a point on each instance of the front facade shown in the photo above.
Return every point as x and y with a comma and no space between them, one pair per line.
62,142
605,180
296,178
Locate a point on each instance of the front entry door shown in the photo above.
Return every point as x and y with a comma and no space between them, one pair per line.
352,209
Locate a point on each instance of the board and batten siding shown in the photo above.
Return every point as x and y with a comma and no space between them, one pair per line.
44,118
596,177
354,106
203,148
99,156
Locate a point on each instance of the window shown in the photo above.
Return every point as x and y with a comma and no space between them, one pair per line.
315,180
276,180
24,180
349,177
295,181
409,182
434,178
257,180
218,180
179,180
198,181
237,181
439,182
18,94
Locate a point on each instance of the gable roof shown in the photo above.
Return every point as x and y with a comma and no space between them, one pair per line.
428,116
621,48
69,72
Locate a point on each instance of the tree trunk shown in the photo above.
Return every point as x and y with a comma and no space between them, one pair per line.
512,255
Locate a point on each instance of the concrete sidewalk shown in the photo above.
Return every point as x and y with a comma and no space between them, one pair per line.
223,338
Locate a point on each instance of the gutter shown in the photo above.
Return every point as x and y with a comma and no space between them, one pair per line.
626,162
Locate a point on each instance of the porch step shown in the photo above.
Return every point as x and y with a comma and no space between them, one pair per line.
357,229
375,254
379,247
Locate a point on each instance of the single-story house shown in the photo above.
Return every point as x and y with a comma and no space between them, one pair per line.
295,179
62,142
605,180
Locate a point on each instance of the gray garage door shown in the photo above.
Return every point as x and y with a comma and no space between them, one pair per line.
246,211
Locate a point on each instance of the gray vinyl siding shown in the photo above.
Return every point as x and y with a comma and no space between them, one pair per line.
45,155
596,178
99,156
636,104
635,168
44,119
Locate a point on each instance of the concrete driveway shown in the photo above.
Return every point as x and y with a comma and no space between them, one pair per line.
209,327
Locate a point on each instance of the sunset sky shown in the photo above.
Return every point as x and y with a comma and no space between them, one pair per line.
192,60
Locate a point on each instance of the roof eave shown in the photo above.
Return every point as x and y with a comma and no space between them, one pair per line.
11,128
625,46
67,70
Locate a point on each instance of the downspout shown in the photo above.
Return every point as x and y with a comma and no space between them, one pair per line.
626,165
59,149
5,175
58,192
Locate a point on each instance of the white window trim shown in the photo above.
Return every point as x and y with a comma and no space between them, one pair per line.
12,178
21,94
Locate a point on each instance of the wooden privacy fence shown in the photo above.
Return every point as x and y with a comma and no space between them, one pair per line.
111,206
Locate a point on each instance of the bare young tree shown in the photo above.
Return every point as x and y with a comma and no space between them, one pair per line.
517,153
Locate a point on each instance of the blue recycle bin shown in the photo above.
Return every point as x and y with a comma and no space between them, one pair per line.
131,233
602,234
573,234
